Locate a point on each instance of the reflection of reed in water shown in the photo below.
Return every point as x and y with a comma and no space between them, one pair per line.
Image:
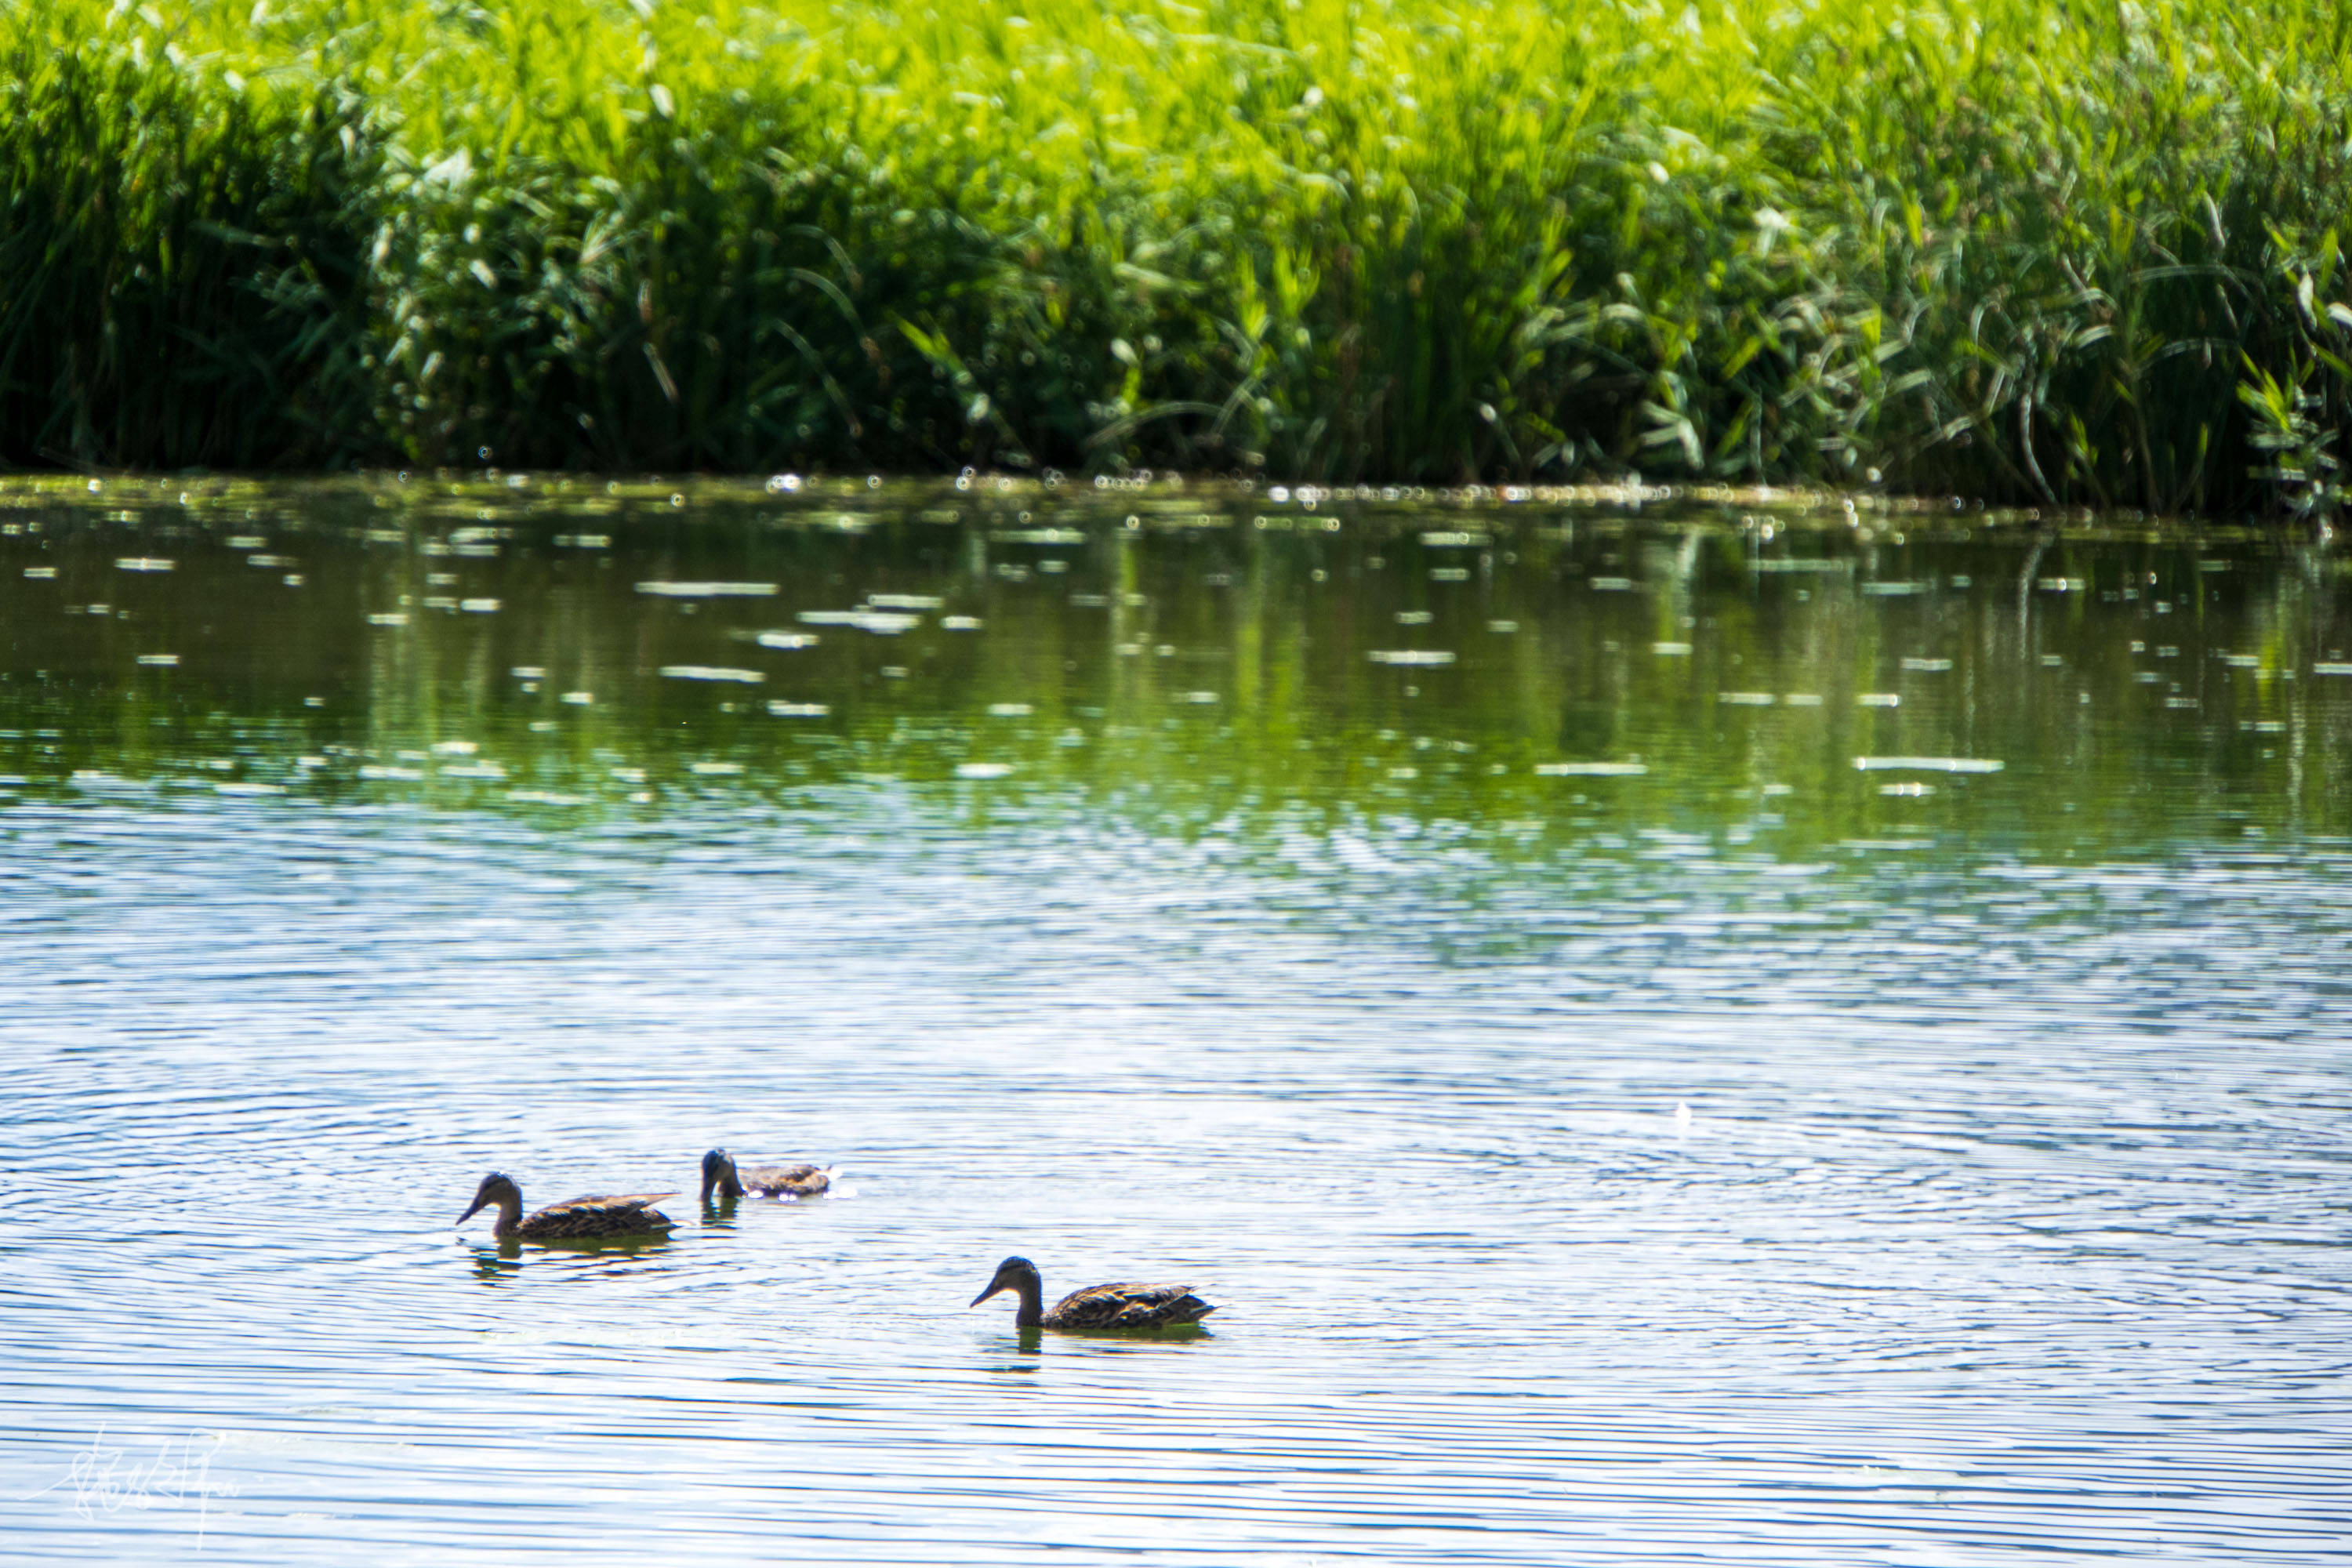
1607,676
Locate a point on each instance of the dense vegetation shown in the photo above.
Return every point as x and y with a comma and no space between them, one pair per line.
2026,249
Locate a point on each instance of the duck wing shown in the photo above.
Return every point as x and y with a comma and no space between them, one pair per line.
1128,1305
599,1217
786,1180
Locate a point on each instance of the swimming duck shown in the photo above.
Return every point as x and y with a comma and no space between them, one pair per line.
1096,1307
575,1219
769,1181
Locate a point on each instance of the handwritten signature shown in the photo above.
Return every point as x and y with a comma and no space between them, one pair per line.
101,1482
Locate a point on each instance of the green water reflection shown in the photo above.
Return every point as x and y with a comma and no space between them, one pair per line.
1718,676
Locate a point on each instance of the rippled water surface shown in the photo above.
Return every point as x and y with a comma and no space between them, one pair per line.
1690,1033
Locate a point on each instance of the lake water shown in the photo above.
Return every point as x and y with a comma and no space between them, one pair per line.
1675,1032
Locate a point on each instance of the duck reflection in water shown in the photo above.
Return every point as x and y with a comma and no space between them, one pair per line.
502,1262
499,1264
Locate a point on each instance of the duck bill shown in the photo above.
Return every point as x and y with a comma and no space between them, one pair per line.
479,1204
994,1286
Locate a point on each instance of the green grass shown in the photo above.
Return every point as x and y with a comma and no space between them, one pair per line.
2021,250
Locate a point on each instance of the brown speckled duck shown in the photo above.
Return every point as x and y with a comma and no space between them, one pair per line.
719,1173
575,1219
1097,1308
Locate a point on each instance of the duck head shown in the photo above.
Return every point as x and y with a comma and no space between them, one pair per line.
1013,1274
496,1188
719,1172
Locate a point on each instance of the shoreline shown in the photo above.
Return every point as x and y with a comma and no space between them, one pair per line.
1161,501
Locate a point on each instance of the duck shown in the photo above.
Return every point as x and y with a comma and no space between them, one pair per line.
575,1219
1098,1307
769,1181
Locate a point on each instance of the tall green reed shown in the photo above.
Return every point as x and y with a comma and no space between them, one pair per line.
179,270
2024,249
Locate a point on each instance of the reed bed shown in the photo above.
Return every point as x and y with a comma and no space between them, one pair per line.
2019,249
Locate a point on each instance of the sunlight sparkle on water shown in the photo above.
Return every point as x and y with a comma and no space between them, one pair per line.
1726,1064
